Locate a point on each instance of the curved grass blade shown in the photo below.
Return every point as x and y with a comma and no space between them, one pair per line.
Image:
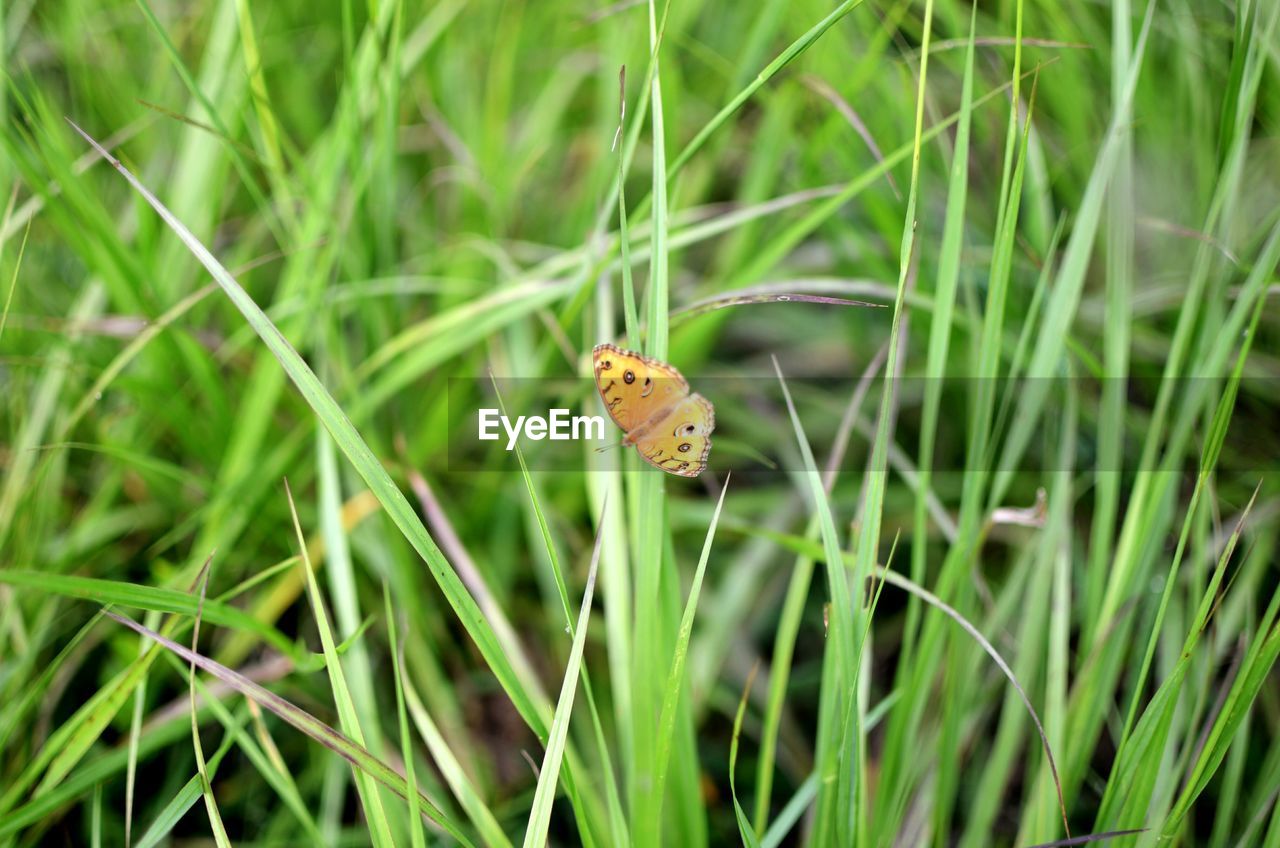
303,721
154,599
264,757
805,547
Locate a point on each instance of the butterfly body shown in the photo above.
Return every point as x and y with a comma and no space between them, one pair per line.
649,399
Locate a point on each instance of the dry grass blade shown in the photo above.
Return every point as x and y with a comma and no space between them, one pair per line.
1092,837
702,307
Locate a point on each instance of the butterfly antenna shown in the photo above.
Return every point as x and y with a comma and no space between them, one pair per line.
616,444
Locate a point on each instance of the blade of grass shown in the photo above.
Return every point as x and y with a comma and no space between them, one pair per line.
845,620
1065,297
745,830
793,50
791,813
656,295
265,208
65,748
1212,450
630,316
416,837
155,599
343,594
349,720
303,721
806,547
676,676
17,266
617,819
940,329
264,757
463,789
1132,781
876,479
549,775
793,604
206,788
40,413
184,800
1205,765
1117,330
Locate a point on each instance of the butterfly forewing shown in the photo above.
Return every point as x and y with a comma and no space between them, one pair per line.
635,388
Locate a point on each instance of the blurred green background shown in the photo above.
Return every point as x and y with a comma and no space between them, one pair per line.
1076,474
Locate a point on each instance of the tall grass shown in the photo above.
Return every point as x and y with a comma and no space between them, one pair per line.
246,242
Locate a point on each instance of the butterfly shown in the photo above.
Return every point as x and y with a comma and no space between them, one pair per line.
650,401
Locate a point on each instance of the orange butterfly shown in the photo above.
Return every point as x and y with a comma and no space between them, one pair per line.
650,401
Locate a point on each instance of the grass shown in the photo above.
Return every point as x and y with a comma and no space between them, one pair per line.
245,242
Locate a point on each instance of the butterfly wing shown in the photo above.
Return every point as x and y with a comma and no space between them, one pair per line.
681,441
635,388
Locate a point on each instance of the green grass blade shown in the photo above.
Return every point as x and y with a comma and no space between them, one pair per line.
463,789
745,830
220,837
940,324
676,676
617,821
845,620
184,800
155,599
416,837
792,51
1065,298
549,775
347,715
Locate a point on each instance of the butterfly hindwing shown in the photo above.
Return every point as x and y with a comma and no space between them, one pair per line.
681,441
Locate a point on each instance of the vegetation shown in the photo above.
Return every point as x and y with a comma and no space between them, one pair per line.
984,297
